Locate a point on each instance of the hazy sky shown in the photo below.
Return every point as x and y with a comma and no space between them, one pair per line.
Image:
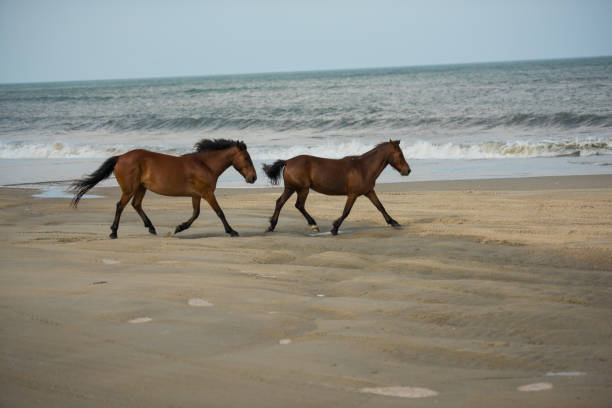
50,40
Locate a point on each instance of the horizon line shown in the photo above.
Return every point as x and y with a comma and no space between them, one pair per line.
284,72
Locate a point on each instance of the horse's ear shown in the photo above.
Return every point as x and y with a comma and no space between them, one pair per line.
241,145
395,142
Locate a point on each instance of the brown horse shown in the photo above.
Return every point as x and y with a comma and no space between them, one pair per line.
191,175
351,176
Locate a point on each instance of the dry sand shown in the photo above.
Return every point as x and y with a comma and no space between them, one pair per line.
496,293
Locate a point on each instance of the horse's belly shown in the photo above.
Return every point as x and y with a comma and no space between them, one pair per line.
170,192
329,187
169,185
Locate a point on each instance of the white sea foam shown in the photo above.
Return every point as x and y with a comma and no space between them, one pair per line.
412,149
140,320
566,374
543,386
430,150
199,302
57,150
402,392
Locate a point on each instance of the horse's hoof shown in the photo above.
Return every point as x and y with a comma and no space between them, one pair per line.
334,232
396,225
234,234
177,229
113,235
270,229
152,231
314,228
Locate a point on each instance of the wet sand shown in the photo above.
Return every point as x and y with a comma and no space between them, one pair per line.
495,293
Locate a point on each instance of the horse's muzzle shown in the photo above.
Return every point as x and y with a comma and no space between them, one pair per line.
251,179
405,172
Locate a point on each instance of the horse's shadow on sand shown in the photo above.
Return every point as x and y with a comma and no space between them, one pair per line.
357,231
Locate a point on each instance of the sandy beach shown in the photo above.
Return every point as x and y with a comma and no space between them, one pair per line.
496,293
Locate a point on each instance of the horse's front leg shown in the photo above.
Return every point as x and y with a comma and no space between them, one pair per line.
350,200
212,200
374,199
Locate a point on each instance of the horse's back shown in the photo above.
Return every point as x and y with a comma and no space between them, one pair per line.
308,160
161,173
139,154
146,161
326,176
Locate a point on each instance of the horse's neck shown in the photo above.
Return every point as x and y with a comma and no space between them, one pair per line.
217,160
375,161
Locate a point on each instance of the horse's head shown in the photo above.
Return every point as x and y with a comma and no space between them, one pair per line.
397,160
243,164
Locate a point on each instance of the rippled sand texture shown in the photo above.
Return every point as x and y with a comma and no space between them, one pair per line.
492,295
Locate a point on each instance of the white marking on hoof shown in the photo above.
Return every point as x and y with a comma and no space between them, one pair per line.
543,386
315,228
284,341
566,374
140,320
402,392
199,303
110,261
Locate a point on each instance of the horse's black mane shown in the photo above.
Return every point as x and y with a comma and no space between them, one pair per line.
206,145
384,143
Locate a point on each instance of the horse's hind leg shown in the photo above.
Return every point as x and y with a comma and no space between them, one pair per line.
350,200
374,199
279,205
299,204
137,204
211,199
125,198
196,212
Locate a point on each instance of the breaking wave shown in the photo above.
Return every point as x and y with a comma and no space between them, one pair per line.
413,150
56,150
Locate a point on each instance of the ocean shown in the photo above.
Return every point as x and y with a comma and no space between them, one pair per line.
486,120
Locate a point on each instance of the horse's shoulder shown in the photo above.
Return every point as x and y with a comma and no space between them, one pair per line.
197,161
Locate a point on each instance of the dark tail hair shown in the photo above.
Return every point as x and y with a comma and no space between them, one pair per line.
80,187
273,171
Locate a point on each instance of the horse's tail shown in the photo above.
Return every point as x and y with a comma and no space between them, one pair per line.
80,187
274,171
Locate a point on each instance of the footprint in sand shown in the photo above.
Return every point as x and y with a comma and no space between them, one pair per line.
140,320
401,392
196,302
543,386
